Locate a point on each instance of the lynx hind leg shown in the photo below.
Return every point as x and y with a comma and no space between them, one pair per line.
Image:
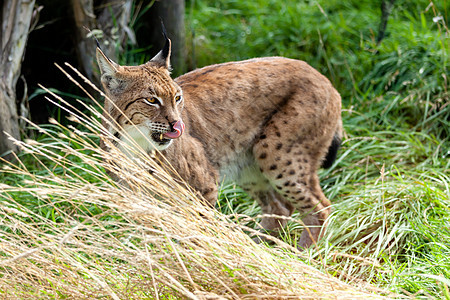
289,161
294,179
277,212
271,203
274,205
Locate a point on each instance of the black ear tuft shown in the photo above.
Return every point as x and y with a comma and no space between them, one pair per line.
91,34
163,56
166,49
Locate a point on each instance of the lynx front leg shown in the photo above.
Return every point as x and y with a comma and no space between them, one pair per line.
195,169
203,178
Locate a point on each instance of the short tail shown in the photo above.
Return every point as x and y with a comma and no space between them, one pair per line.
333,150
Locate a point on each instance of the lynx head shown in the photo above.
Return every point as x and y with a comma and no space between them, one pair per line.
143,100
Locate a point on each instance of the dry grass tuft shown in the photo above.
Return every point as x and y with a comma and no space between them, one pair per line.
68,231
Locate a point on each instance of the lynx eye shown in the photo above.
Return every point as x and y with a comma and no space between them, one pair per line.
152,101
178,99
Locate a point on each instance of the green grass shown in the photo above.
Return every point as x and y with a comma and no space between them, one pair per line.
390,225
338,38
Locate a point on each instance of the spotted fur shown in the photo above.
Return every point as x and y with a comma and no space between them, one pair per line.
265,123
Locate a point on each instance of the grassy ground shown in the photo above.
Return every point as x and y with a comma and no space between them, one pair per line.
67,231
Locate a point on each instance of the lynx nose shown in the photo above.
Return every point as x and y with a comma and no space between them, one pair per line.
177,130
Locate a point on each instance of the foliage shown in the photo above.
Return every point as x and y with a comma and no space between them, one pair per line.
339,39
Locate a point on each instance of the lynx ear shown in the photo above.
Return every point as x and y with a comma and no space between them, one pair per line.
109,71
163,56
107,66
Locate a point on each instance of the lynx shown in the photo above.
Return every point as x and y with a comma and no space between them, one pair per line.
267,124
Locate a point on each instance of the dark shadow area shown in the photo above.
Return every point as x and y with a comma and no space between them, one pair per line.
49,43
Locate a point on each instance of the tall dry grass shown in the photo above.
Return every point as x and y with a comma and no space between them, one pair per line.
68,231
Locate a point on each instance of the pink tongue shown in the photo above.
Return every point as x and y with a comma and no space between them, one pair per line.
178,127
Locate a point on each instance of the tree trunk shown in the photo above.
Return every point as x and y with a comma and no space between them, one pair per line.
108,20
15,20
172,12
83,15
